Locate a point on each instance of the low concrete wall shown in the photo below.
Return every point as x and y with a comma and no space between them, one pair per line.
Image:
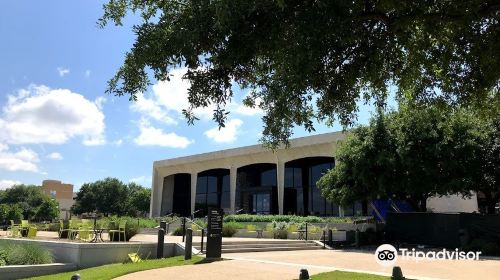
24,271
93,254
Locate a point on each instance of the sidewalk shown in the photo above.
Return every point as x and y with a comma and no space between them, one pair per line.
286,266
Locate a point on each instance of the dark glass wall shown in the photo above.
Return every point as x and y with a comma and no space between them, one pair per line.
301,196
256,189
212,191
181,204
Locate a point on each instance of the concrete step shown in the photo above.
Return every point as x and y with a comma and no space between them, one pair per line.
268,249
265,246
267,242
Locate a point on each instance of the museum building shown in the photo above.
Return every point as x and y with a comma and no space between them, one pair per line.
250,179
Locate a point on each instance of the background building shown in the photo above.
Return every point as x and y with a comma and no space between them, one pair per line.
61,192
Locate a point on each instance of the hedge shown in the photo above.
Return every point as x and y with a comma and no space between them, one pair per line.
247,218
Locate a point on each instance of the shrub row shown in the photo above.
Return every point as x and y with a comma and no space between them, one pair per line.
23,254
247,218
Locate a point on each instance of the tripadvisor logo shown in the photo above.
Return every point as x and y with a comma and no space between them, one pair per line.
387,255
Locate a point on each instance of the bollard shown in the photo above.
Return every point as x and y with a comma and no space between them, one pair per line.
324,239
75,277
202,237
306,232
356,238
188,248
161,242
397,273
163,225
304,274
330,237
183,229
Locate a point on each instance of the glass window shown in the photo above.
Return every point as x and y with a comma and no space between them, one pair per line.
212,200
201,185
225,202
297,177
268,178
211,184
225,183
200,202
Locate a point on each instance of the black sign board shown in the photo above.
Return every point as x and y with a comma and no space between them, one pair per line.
214,233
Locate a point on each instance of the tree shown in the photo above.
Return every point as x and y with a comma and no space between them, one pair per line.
48,210
416,153
107,196
110,196
138,200
29,198
311,60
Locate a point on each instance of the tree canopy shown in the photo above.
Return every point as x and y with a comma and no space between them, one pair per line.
28,202
416,153
311,60
111,196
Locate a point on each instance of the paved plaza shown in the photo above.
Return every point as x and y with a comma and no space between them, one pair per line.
286,265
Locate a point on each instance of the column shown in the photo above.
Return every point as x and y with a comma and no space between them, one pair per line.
232,187
156,194
280,177
194,180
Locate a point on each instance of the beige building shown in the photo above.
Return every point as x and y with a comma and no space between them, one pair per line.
256,180
61,192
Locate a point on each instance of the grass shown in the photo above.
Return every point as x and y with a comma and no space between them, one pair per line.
343,275
111,271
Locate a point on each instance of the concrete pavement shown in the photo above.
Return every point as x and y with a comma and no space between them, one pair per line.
286,265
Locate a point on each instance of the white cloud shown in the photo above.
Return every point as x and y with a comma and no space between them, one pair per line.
55,156
39,114
62,71
87,73
226,134
99,101
3,147
151,136
5,184
168,99
151,109
22,160
142,180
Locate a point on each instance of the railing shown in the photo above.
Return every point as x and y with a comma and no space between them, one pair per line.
203,229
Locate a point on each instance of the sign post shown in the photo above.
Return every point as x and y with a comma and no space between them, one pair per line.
214,234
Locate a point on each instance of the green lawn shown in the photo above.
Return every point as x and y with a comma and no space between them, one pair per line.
111,271
342,275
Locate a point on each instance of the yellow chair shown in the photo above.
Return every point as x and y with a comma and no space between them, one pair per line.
14,229
121,230
85,233
25,224
32,230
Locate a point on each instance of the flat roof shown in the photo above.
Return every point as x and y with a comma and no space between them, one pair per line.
252,149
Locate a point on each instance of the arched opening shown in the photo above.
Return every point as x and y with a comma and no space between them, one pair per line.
176,196
301,196
212,191
256,189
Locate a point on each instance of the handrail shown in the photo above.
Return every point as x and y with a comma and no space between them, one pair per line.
202,231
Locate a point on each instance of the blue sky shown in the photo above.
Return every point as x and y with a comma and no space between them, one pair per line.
56,122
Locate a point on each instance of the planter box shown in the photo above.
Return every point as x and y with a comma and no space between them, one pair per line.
25,271
94,254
